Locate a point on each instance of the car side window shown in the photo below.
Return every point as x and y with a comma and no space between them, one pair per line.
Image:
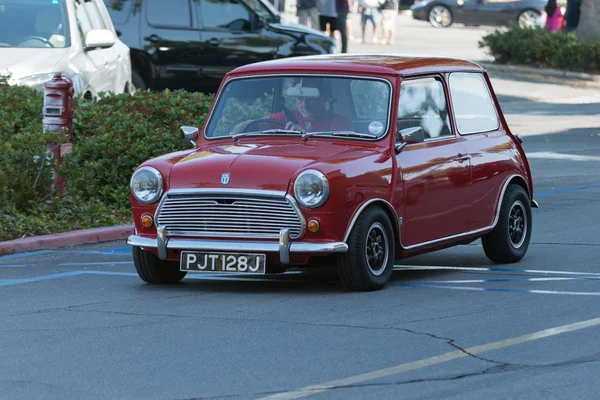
423,103
224,14
174,13
472,103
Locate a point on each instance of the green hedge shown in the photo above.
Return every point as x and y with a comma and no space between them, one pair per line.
538,48
111,138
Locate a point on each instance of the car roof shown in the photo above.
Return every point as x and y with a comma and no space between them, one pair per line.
377,64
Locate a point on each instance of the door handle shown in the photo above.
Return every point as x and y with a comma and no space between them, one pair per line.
214,42
462,157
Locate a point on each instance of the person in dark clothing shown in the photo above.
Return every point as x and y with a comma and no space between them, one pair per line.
343,9
572,15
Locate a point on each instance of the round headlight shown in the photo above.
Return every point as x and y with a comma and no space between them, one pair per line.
311,188
147,185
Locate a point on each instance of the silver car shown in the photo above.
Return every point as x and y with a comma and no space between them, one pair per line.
76,37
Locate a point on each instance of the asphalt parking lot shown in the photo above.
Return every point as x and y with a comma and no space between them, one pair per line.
79,323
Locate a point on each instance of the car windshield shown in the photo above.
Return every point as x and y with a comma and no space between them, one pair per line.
33,23
349,107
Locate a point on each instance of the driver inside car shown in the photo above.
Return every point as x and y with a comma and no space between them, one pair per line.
313,110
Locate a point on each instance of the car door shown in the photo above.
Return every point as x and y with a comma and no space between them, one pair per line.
491,149
119,63
98,73
172,41
488,12
231,37
435,174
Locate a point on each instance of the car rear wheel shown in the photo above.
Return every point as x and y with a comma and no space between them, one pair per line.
509,240
369,261
154,270
529,19
440,16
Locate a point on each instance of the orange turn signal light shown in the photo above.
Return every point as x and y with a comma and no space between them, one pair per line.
313,225
147,220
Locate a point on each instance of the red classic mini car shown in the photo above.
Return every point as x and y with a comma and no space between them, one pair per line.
347,160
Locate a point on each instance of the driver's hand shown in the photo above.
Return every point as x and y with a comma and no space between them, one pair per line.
294,127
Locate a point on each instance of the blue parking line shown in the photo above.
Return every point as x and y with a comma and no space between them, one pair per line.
568,190
119,251
73,264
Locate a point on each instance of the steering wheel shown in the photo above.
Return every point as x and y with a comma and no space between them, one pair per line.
256,121
40,38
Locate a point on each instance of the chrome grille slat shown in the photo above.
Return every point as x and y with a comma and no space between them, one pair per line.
218,215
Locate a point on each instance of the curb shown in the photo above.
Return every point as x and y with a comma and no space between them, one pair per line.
66,239
539,71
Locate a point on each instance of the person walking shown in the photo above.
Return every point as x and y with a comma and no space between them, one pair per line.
389,10
308,13
343,9
554,16
369,11
328,16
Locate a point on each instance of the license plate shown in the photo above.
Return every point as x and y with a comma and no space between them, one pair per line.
223,262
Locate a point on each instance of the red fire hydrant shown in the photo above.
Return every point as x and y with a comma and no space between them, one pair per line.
58,116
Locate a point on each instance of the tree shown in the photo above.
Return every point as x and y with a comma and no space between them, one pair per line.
589,21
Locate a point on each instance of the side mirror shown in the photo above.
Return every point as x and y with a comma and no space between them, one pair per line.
410,136
99,38
189,134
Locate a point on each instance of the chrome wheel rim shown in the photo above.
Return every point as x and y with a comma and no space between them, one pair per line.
529,19
517,224
376,249
439,16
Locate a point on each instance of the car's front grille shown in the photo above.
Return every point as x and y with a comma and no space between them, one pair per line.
217,215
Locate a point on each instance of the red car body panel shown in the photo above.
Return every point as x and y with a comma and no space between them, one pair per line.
434,198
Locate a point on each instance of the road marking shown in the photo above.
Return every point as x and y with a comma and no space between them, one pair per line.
510,280
118,251
427,362
490,269
550,155
494,289
568,190
71,264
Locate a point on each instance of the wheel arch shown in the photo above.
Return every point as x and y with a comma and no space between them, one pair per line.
387,208
515,180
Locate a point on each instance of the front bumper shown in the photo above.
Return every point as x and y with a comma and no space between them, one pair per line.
284,247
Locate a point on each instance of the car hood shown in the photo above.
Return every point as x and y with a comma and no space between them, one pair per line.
256,166
294,27
22,62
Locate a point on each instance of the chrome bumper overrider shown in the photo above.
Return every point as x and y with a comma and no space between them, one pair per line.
284,247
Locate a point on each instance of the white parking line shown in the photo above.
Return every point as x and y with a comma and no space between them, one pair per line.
442,358
491,269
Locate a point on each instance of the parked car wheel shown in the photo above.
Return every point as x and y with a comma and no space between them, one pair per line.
369,261
440,16
154,270
138,82
509,240
529,19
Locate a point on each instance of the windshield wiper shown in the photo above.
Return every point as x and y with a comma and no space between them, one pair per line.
344,133
269,131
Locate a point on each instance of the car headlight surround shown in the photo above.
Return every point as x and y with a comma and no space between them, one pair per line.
311,188
36,81
147,185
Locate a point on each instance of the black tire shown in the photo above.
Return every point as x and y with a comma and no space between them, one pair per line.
138,81
154,270
507,243
373,227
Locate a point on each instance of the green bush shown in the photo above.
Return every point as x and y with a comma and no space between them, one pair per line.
538,48
111,138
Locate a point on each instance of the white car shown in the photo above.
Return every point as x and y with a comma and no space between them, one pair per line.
75,37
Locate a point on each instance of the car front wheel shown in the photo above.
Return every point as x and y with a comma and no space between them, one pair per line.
369,261
529,19
440,16
154,270
509,240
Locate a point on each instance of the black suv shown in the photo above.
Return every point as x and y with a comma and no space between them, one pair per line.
192,44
